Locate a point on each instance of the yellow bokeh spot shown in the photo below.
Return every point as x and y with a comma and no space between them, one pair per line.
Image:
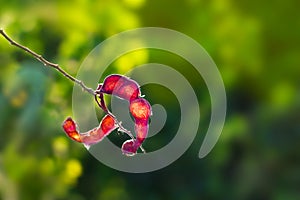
73,171
60,146
127,20
55,93
134,3
72,42
131,60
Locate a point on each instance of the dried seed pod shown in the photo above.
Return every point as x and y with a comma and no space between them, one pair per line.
106,126
129,147
120,86
70,128
141,111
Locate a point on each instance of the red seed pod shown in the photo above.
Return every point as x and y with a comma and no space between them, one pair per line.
120,86
106,126
141,130
129,147
141,111
109,83
70,128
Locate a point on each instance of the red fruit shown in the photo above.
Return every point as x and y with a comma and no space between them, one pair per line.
109,83
120,86
140,109
141,130
129,147
70,128
106,126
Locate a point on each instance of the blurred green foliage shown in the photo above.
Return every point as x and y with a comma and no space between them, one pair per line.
255,45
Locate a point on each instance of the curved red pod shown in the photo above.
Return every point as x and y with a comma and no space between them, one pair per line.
106,126
70,129
120,86
129,147
141,130
140,109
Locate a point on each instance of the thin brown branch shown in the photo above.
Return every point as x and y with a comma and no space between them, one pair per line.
79,82
47,63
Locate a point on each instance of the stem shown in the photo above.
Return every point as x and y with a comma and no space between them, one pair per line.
47,63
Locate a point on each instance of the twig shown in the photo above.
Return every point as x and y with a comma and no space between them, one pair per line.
79,82
47,63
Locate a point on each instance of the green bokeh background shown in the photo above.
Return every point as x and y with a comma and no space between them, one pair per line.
255,45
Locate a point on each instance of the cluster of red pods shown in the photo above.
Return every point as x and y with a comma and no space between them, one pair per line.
140,109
